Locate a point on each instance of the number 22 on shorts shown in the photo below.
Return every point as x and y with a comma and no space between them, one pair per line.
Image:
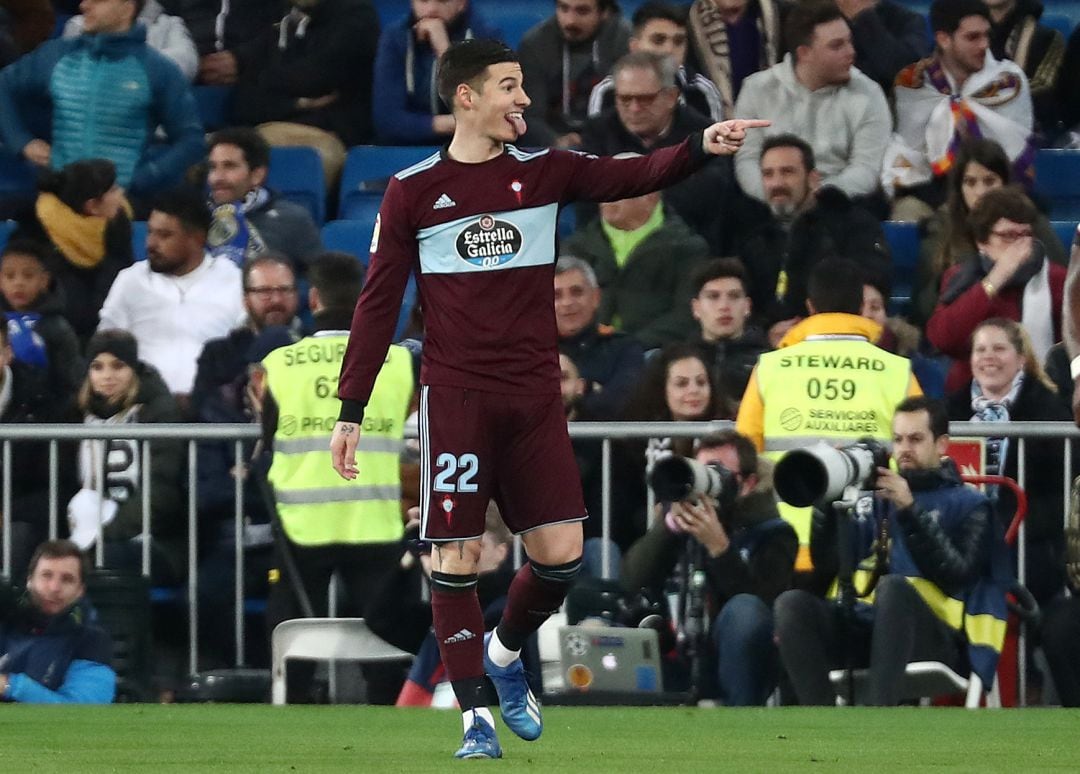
456,474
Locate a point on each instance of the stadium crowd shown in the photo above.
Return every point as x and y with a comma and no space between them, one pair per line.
153,267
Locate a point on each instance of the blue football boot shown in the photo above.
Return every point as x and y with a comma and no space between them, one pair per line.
520,709
480,741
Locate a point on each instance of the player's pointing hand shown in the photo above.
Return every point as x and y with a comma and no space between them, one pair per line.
726,137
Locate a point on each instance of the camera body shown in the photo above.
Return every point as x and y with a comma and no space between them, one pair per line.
821,473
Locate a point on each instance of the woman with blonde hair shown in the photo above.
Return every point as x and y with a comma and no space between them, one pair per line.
1009,385
120,389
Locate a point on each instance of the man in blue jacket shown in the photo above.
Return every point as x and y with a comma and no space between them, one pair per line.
108,93
51,652
942,597
408,110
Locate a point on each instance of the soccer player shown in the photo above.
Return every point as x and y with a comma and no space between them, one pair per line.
476,222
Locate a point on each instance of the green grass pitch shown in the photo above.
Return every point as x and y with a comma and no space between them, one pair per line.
258,738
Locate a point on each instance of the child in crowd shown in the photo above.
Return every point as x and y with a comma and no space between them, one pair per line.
37,330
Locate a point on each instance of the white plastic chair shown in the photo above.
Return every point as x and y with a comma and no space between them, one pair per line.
923,680
326,639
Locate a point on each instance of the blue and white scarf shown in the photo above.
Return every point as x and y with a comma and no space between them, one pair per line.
231,234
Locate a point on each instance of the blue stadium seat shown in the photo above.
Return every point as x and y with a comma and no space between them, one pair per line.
367,168
215,106
7,227
567,221
351,236
1057,177
17,175
1059,22
515,18
138,239
903,239
296,173
1065,229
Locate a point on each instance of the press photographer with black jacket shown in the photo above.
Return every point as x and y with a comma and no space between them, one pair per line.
942,597
747,553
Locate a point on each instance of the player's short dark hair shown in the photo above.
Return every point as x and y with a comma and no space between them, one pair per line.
935,409
187,205
79,182
60,549
720,268
744,448
467,62
788,140
253,145
946,15
1007,202
657,10
338,277
266,259
804,18
836,285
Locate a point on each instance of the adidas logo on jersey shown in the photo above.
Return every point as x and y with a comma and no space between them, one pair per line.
443,202
461,636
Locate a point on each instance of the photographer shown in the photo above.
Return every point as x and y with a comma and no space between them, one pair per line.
942,597
53,653
747,553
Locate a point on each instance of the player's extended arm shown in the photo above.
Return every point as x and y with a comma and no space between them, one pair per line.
609,179
1071,319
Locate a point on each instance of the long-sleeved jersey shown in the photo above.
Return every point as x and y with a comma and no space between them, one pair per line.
482,241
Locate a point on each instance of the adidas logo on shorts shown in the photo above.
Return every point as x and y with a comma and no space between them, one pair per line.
461,636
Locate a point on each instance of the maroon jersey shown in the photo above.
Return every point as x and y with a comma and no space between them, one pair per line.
481,239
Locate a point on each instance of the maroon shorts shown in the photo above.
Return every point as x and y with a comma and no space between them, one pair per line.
478,446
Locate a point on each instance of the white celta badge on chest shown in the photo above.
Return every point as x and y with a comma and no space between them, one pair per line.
489,242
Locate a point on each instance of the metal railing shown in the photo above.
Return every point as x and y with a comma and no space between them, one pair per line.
192,434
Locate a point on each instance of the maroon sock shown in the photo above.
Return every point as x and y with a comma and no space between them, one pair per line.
535,593
459,629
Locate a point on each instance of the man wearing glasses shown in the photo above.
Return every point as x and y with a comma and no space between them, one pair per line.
647,115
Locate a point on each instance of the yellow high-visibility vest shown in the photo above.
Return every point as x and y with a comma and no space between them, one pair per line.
832,387
316,505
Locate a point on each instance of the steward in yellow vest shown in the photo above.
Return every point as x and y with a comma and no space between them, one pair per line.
828,381
353,528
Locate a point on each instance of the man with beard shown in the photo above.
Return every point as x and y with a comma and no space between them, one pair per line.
180,297
249,218
807,221
818,93
563,58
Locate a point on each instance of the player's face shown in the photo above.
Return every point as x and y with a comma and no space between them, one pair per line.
830,54
576,302
501,102
22,280
645,108
977,181
110,377
995,362
270,295
578,20
663,37
169,246
722,308
55,584
687,389
914,445
229,176
965,50
873,304
787,182
108,16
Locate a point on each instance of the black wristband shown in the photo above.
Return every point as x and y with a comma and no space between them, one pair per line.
351,411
